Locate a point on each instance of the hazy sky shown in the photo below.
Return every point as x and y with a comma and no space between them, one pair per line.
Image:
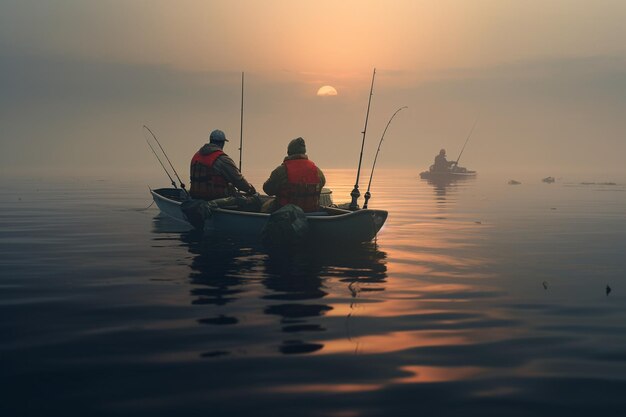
546,80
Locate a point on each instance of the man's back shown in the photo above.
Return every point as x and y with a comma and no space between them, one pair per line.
212,171
441,163
297,180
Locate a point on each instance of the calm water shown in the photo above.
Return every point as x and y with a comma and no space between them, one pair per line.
478,299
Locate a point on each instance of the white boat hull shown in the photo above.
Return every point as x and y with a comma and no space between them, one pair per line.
333,225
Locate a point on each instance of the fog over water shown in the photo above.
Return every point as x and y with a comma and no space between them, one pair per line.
547,83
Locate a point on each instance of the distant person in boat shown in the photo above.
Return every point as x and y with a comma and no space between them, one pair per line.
296,181
441,163
213,172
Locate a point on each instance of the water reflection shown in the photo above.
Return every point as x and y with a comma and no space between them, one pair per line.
292,279
441,185
303,276
216,271
450,318
293,286
445,187
432,316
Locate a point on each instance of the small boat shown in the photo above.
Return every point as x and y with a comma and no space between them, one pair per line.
454,173
329,225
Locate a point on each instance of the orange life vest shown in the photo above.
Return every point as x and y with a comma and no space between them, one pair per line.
206,182
303,185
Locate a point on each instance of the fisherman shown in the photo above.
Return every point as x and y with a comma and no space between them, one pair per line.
441,163
296,181
213,172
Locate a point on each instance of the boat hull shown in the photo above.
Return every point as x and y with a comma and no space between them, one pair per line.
434,175
342,226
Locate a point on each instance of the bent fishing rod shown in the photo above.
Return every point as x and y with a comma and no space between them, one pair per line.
355,194
456,163
367,193
160,162
182,185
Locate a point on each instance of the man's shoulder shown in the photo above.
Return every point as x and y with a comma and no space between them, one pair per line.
223,156
279,169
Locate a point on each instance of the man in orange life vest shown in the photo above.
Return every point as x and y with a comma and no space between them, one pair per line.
212,171
297,180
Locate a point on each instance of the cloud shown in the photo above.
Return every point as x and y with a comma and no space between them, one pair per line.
560,79
62,79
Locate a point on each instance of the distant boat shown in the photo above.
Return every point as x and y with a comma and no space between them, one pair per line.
329,225
548,180
454,173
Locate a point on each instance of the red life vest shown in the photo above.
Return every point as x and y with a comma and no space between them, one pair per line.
303,185
206,182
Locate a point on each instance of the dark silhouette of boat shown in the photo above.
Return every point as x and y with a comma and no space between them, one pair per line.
453,173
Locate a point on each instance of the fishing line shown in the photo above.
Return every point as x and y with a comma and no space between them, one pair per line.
161,162
168,160
367,193
143,209
456,163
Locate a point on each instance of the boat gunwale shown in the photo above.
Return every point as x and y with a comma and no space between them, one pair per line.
427,174
266,215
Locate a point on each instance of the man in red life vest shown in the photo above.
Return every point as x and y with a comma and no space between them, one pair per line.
212,171
297,180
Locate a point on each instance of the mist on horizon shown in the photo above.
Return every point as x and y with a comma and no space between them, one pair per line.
547,85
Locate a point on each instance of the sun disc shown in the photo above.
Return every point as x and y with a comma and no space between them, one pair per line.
327,90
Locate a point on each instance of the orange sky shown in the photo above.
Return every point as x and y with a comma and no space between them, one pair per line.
321,36
546,79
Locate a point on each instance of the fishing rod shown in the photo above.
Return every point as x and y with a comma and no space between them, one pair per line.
241,125
456,163
355,194
182,185
160,162
367,193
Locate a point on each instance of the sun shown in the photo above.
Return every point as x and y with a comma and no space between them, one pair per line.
327,90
